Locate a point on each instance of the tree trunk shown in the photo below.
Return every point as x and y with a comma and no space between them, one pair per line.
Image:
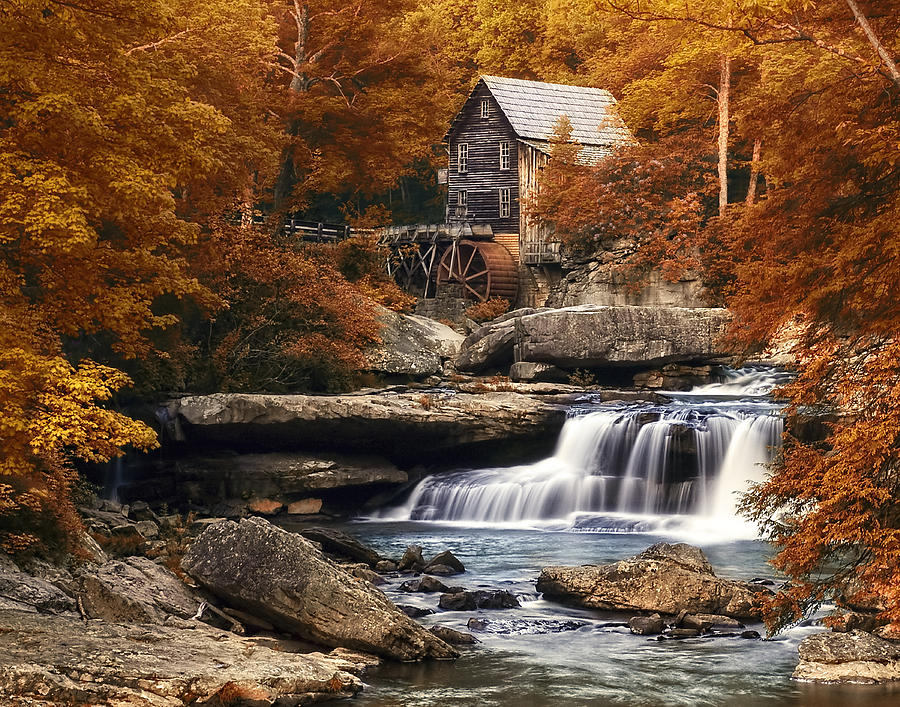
300,82
873,40
754,171
724,90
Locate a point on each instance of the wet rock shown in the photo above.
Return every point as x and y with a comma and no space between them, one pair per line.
646,625
415,612
412,559
385,566
441,570
664,578
426,584
853,657
336,542
750,634
683,632
479,599
134,590
453,637
55,660
285,579
22,592
445,559
706,622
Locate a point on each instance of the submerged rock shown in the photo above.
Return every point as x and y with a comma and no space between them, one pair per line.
445,559
853,657
55,660
286,580
523,627
453,637
663,578
479,599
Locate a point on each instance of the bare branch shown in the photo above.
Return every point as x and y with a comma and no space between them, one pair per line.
153,45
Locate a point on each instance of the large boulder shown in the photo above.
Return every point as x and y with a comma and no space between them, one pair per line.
401,425
853,657
136,589
23,592
663,578
411,345
285,579
591,336
55,660
343,545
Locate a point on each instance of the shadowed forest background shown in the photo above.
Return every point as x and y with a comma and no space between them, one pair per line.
134,135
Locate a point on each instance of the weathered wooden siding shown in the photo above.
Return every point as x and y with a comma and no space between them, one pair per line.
535,244
484,178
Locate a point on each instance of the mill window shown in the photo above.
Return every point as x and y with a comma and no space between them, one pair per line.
485,108
462,202
504,155
462,156
504,203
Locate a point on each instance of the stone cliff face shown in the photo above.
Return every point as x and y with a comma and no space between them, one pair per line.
601,282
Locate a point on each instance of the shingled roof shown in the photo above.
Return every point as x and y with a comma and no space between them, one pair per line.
534,107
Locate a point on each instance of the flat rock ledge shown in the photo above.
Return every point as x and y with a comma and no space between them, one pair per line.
59,660
664,578
397,424
285,579
853,657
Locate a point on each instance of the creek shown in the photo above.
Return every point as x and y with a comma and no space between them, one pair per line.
622,478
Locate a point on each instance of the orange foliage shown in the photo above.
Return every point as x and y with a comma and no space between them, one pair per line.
488,310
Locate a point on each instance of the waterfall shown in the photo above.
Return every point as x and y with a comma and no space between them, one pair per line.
692,457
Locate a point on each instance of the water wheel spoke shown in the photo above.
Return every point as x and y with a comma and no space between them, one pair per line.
469,262
478,274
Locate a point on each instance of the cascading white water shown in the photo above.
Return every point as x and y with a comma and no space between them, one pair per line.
686,458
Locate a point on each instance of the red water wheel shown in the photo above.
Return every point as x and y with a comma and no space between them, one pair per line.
484,269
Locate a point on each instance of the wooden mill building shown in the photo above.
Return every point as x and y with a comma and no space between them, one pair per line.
498,144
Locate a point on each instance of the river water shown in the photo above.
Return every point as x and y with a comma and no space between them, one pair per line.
623,477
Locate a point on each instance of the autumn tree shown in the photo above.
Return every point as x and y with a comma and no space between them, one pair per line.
122,125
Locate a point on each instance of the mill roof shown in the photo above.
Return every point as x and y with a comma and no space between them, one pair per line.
534,107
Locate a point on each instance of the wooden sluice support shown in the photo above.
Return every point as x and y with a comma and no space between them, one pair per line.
426,256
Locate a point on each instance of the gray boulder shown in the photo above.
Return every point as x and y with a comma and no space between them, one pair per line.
528,372
411,345
478,599
663,578
22,592
286,580
591,336
646,625
135,590
853,657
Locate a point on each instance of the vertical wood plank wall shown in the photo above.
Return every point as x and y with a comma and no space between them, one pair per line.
531,162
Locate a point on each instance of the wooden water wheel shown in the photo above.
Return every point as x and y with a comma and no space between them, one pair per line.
484,269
